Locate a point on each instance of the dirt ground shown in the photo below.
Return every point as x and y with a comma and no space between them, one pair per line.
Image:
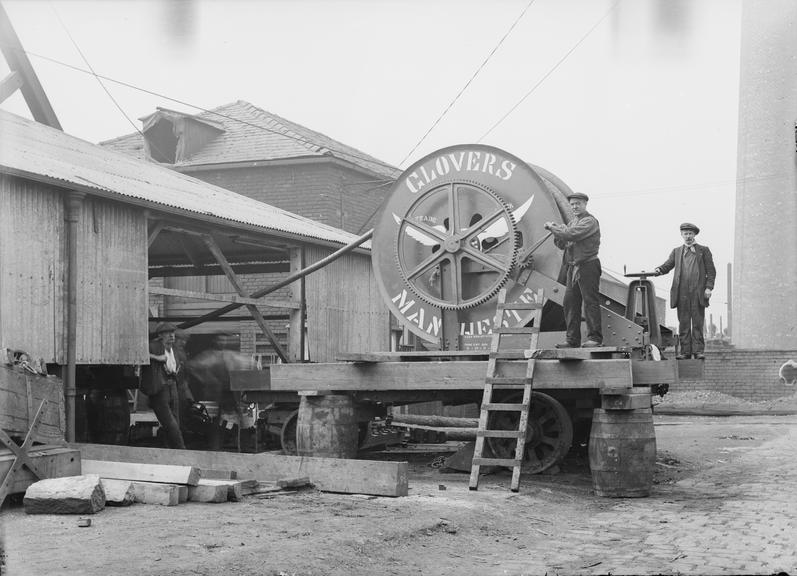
440,528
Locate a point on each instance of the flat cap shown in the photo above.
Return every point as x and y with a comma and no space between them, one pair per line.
165,327
690,226
578,196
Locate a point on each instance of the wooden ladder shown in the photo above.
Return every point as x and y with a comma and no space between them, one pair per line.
494,381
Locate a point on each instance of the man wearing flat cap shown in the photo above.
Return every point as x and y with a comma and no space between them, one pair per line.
162,379
692,283
580,239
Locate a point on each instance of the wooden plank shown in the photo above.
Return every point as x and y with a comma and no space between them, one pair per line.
118,492
650,372
208,474
156,493
625,401
201,295
600,352
10,84
161,473
51,462
208,493
215,297
406,356
234,488
465,375
293,482
327,474
689,369
245,380
17,59
19,391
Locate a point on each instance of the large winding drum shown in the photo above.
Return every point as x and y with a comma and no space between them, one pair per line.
453,230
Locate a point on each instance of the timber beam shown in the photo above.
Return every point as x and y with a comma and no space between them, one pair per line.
462,375
221,297
327,474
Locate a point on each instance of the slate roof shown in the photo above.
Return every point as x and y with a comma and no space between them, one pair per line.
32,150
253,134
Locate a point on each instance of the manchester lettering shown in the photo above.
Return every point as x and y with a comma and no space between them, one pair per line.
467,161
416,316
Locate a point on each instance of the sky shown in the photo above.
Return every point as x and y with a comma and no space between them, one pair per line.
634,102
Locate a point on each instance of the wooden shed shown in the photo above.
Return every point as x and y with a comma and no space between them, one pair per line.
85,233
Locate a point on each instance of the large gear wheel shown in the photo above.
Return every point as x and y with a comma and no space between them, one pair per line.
456,245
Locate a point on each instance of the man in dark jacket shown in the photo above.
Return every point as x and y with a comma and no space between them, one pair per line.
162,379
580,239
692,283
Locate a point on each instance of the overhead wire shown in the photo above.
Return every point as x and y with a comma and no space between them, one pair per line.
99,81
342,153
468,83
551,71
386,181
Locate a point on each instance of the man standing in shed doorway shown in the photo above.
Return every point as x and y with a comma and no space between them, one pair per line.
692,283
580,239
161,380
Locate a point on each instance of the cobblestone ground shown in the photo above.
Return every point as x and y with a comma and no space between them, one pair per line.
738,518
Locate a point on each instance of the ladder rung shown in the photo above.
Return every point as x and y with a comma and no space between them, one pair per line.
517,354
511,386
520,306
511,462
519,330
501,433
520,407
506,380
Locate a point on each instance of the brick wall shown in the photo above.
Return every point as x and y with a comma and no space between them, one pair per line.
748,374
327,192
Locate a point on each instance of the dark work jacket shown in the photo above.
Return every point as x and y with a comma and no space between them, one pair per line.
706,271
581,240
154,376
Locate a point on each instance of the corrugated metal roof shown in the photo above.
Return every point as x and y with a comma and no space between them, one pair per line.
33,149
253,134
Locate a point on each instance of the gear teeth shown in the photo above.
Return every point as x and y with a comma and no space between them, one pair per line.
490,292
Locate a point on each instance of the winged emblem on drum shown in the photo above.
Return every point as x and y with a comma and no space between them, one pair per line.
496,230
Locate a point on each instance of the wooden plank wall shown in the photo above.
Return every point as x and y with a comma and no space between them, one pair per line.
345,311
31,268
20,396
112,284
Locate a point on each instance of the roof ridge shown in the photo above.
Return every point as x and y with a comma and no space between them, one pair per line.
285,123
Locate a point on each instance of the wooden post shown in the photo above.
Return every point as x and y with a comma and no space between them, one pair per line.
296,344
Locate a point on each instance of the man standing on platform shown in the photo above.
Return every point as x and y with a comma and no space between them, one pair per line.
580,239
692,283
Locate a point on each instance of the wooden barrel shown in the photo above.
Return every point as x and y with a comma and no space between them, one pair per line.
326,426
109,416
622,452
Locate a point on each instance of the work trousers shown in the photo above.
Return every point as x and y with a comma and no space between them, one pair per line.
583,285
165,404
691,319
